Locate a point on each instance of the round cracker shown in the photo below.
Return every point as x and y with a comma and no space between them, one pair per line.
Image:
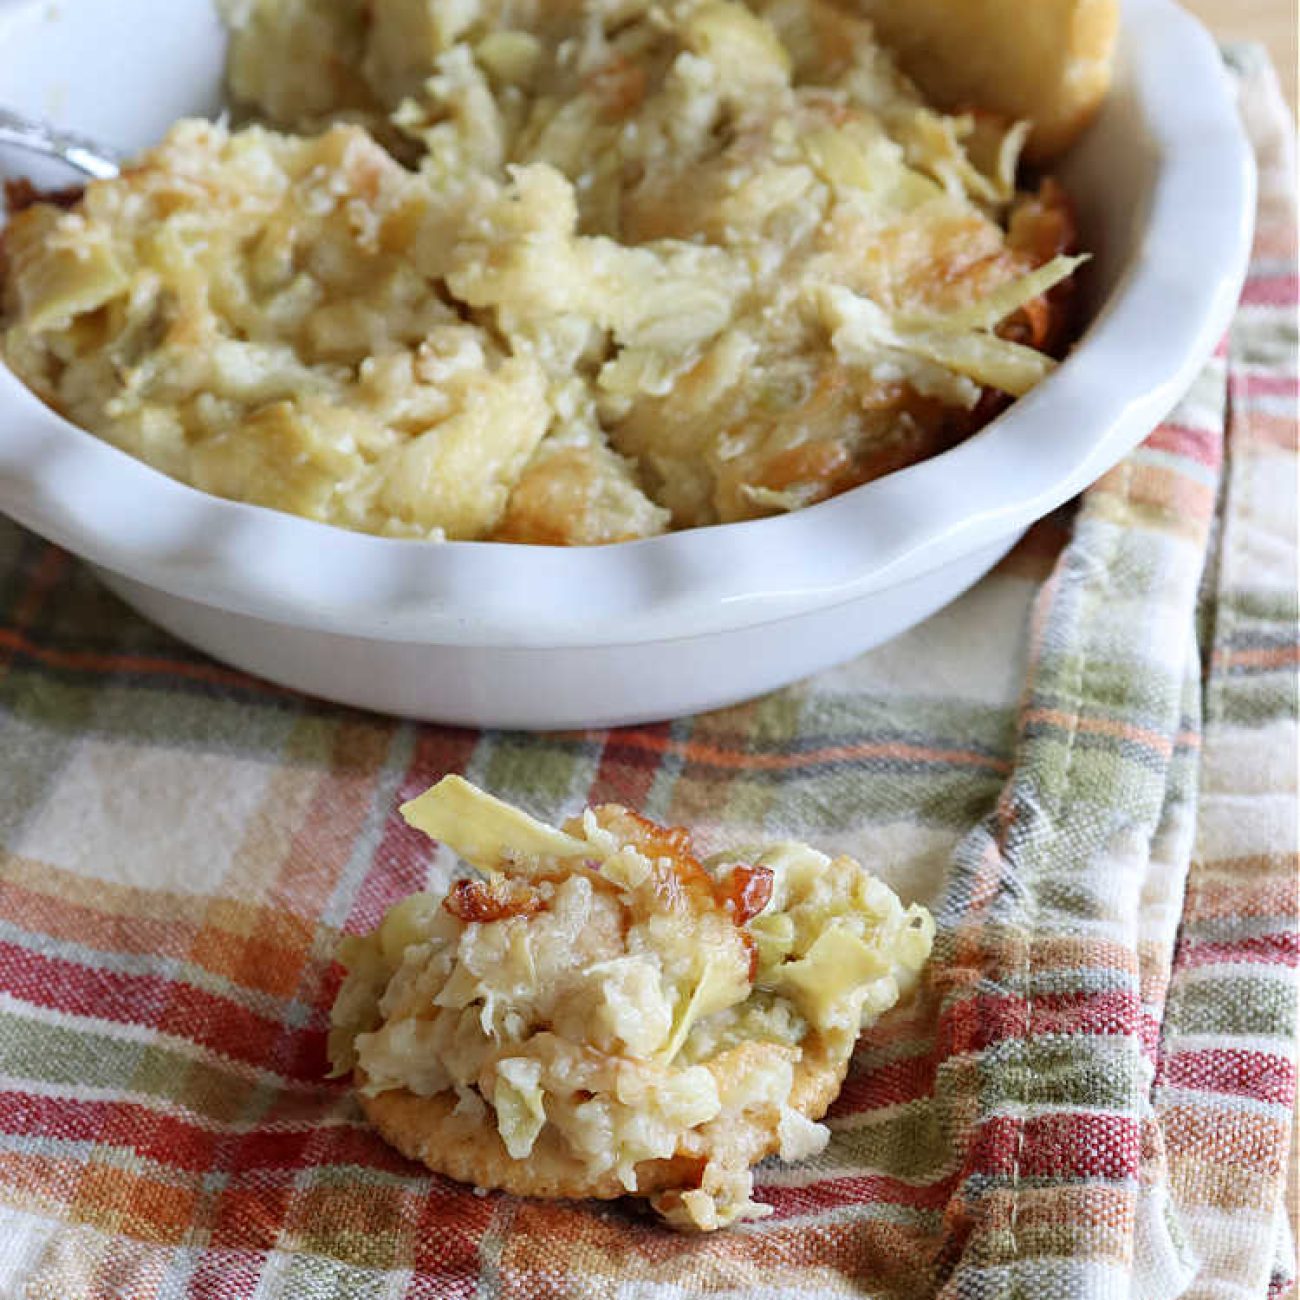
470,1149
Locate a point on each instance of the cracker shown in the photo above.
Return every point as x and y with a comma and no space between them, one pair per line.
513,1034
470,1150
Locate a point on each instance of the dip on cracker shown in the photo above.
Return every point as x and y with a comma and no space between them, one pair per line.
600,1014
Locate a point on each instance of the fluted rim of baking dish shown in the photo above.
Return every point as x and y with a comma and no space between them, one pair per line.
1157,328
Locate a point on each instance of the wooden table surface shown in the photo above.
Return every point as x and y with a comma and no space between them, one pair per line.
1271,21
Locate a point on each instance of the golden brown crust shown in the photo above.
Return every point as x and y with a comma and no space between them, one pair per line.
1046,60
479,901
20,194
577,496
817,1082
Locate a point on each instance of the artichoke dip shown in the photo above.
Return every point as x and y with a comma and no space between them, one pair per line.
601,1014
552,271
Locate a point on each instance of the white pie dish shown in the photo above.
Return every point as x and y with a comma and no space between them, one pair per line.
526,636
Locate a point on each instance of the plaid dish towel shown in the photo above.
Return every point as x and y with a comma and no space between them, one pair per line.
1086,768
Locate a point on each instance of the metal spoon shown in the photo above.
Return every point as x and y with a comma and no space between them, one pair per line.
88,157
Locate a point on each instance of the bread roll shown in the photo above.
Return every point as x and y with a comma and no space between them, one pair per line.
1048,61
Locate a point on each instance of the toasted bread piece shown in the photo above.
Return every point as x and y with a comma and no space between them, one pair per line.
1047,61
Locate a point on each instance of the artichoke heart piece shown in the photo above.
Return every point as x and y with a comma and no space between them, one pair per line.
823,983
959,342
484,830
517,1099
716,989
61,270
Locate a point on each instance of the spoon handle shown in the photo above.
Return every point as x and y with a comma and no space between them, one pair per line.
92,159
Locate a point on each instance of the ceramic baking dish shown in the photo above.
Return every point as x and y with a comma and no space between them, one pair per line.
529,636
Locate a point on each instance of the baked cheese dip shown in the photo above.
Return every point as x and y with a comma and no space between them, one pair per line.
600,1014
546,271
